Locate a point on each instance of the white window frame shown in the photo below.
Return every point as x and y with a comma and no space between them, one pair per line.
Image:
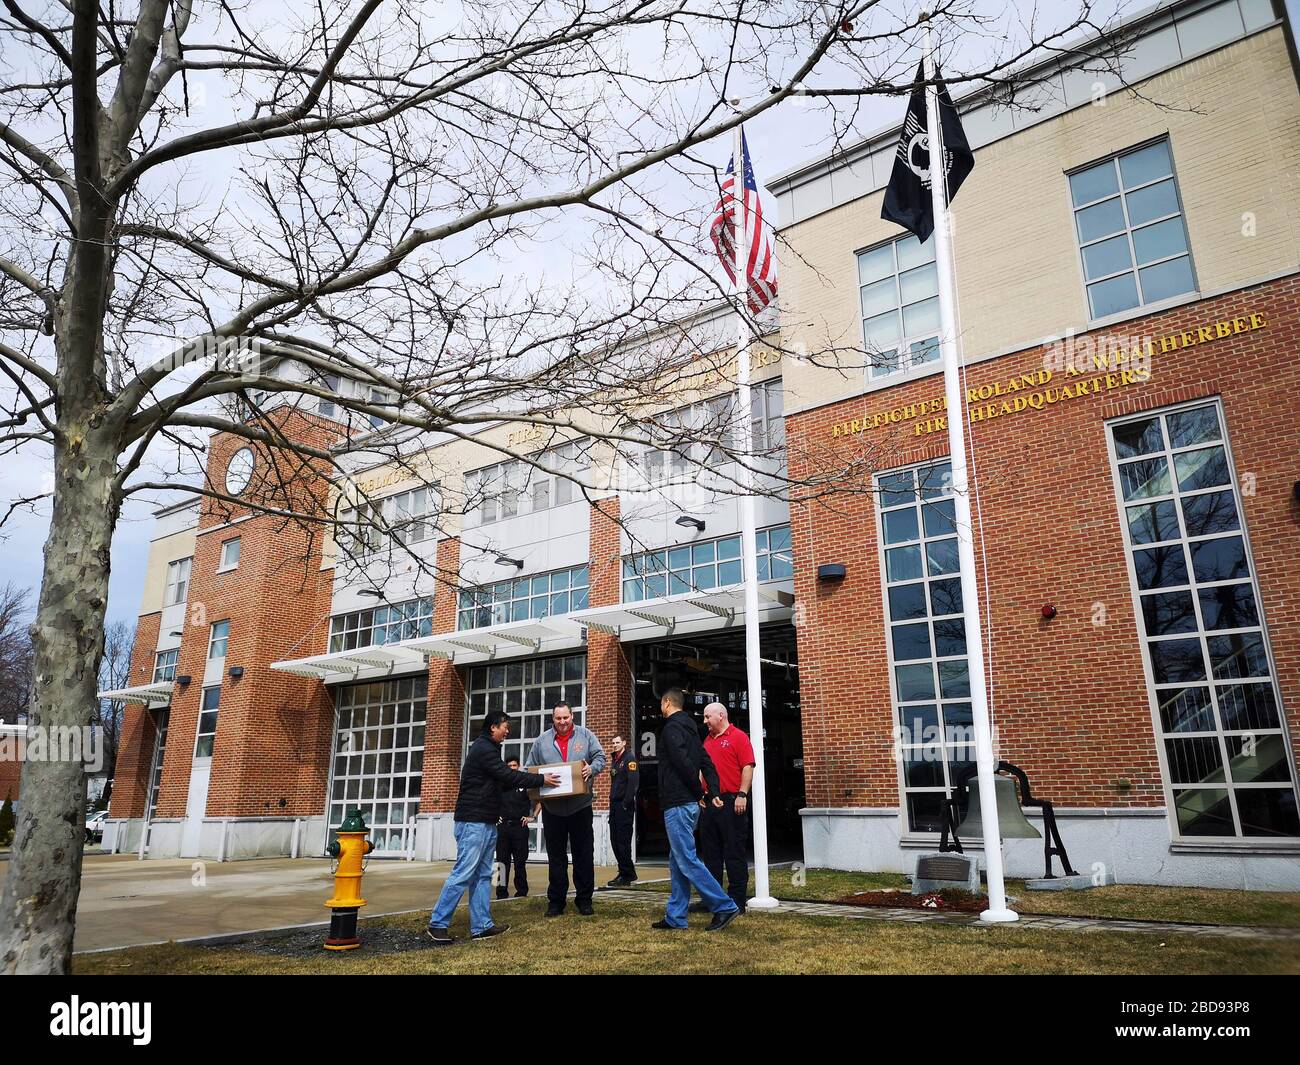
500,597
164,667
1211,682
908,360
393,622
409,515
676,561
1123,194
514,487
178,581
200,733
225,564
214,639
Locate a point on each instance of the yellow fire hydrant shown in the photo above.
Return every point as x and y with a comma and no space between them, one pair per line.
349,848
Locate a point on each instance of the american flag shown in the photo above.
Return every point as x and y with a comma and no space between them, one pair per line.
760,267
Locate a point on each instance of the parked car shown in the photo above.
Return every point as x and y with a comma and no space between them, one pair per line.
95,826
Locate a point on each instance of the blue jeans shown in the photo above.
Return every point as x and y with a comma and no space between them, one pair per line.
686,869
476,847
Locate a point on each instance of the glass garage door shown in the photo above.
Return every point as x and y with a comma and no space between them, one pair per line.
379,758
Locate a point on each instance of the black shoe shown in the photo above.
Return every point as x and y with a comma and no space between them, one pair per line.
554,911
488,933
521,894
721,920
502,893
628,881
440,937
585,909
618,881
698,907
669,927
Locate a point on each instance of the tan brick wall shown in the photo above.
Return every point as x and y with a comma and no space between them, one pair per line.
1070,697
162,552
1233,121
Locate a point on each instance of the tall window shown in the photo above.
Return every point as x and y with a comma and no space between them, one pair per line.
379,755
1129,224
380,397
527,691
508,489
161,717
704,565
178,581
206,733
898,288
767,416
229,555
164,666
1214,695
382,624
926,636
218,639
539,596
683,440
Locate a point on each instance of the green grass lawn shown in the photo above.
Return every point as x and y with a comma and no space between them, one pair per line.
1127,901
618,940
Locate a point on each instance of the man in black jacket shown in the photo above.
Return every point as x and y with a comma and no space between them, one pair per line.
512,837
682,760
625,781
478,808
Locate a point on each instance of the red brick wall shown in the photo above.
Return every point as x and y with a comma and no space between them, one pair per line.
135,745
609,675
11,771
444,735
1069,696
272,745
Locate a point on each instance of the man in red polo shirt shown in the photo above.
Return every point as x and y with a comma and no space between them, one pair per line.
724,831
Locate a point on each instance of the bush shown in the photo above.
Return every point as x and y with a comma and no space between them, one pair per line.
6,822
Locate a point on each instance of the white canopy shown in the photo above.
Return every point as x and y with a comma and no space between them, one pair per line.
159,692
694,612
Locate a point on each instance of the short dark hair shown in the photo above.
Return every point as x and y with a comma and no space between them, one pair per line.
493,718
562,703
675,696
512,758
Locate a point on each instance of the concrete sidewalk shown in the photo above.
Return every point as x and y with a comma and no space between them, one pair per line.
126,902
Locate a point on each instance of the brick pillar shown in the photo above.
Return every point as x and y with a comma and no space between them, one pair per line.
135,743
444,735
609,675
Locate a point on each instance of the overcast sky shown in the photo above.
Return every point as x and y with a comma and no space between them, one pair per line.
780,139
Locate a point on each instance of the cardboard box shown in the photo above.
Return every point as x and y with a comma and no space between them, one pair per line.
572,770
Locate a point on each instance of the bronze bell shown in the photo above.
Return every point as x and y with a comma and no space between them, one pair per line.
1011,819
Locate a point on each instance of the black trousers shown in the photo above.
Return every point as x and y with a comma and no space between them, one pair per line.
724,838
620,835
512,845
563,832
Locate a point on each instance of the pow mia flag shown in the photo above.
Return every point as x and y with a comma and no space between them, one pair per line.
907,199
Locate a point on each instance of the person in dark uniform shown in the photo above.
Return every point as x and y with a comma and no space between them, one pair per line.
625,781
512,837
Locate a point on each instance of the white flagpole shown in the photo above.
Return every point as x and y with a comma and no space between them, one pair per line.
762,899
984,761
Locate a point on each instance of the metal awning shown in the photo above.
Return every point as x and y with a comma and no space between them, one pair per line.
690,613
511,639
378,661
160,692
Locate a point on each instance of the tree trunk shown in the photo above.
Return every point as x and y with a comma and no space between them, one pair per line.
38,907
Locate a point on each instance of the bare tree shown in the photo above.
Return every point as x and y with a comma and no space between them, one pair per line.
114,673
16,676
205,194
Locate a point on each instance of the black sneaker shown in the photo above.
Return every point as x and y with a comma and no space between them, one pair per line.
618,881
669,927
721,920
554,911
439,936
502,893
521,894
698,907
488,933
585,909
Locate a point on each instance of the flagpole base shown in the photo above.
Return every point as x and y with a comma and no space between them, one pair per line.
999,916
764,902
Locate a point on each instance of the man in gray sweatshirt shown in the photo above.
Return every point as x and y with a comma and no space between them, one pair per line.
568,821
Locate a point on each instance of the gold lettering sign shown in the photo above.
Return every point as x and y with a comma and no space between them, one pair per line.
1038,390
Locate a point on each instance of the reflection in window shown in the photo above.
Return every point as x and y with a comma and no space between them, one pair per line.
1214,692
706,564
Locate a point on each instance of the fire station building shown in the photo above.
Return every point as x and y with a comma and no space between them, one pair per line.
1128,266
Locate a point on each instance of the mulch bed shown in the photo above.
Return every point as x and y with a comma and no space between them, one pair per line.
375,939
947,901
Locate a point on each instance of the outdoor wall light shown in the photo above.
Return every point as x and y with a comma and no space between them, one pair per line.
506,560
831,571
236,672
176,632
183,680
371,593
1049,611
1295,491
687,522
